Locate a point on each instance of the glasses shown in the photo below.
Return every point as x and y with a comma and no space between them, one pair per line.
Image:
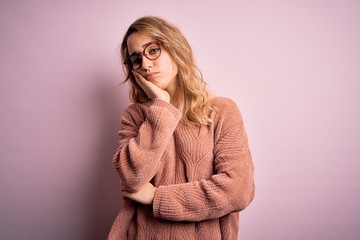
151,51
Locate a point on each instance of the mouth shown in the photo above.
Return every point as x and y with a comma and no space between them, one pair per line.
150,76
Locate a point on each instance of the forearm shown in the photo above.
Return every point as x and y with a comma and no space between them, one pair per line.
204,199
143,144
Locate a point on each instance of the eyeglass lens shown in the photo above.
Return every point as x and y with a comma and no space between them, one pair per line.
151,52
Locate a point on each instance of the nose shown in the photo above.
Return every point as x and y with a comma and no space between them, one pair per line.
146,63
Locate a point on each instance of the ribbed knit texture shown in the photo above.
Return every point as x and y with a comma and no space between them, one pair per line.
204,174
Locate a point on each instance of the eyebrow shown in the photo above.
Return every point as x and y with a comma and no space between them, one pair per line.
144,46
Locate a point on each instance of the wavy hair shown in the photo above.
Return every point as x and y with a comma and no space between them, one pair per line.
193,94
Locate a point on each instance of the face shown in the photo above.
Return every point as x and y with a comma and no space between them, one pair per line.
162,71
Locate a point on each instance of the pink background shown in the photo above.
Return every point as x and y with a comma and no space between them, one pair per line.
292,67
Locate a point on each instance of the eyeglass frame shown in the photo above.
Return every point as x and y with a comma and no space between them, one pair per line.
128,62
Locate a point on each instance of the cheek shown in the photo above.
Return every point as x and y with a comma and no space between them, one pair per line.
167,65
165,59
172,67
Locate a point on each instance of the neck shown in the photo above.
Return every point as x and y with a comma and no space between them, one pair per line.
175,97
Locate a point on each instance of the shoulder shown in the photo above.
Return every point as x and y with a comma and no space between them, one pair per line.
222,102
224,109
223,105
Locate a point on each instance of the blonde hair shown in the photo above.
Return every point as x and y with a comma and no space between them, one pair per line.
193,92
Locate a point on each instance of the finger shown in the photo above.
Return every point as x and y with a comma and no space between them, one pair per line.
125,194
148,87
140,79
151,90
143,83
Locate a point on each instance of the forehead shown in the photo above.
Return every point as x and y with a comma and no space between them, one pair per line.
136,42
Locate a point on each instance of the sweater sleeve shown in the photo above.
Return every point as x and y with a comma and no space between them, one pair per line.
143,139
230,189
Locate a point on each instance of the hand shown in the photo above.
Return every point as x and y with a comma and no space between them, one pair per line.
151,90
144,196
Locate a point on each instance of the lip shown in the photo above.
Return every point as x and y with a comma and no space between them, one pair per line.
149,76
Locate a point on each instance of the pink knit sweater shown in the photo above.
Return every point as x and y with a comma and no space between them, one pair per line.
204,174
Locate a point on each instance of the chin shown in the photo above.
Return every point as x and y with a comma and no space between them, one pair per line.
157,83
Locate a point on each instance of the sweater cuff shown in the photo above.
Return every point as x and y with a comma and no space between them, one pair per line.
164,206
163,112
157,102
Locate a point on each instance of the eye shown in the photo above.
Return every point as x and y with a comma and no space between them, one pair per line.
135,60
153,49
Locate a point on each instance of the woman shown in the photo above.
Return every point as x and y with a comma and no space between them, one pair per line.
183,158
